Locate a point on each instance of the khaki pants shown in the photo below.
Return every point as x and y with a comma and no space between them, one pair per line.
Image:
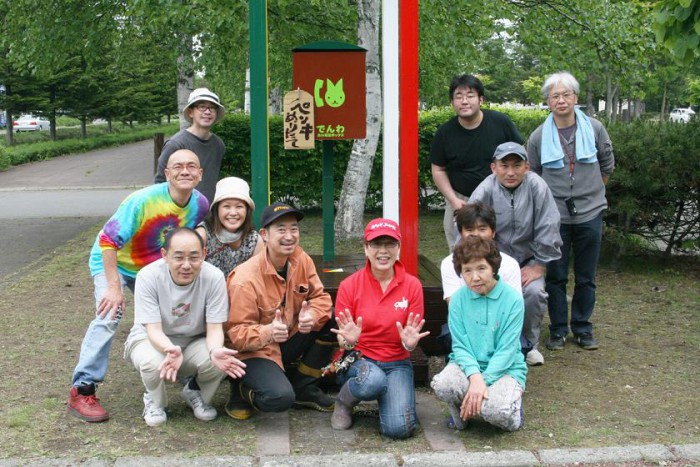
503,408
448,222
195,362
535,297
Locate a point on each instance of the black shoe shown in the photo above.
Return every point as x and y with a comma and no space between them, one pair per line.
313,397
555,342
586,341
236,407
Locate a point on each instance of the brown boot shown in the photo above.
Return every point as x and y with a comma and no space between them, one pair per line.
342,414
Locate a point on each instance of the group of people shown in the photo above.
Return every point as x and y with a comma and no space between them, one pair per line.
215,299
513,215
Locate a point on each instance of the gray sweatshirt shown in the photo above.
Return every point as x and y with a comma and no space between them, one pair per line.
527,218
588,187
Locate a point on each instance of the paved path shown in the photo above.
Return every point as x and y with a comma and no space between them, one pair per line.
44,204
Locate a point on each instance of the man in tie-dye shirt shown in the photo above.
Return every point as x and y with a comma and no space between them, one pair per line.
131,239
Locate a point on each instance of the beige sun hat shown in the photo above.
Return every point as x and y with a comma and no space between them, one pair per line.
204,94
233,187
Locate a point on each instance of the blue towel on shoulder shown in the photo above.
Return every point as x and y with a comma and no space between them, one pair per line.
552,152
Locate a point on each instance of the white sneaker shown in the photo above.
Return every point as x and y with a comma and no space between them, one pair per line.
534,358
201,410
152,414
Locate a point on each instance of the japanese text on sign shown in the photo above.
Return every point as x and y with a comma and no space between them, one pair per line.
298,120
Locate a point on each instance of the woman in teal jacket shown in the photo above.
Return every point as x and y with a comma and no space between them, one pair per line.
486,373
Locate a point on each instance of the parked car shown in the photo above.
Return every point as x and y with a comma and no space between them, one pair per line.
681,115
30,123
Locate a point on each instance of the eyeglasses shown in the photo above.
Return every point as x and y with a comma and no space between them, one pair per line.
193,259
179,167
379,244
461,97
567,95
204,107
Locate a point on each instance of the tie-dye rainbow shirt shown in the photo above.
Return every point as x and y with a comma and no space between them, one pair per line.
137,230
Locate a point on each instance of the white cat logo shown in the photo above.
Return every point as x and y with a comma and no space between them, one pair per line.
402,304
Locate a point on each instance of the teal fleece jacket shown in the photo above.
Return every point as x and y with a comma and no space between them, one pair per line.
486,333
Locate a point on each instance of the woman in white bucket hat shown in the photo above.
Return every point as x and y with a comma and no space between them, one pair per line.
228,230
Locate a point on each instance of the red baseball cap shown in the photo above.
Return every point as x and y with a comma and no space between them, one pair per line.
382,227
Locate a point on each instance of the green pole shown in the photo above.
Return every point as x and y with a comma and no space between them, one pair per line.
259,131
328,214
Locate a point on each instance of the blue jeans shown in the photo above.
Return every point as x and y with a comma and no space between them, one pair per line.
585,240
94,352
391,384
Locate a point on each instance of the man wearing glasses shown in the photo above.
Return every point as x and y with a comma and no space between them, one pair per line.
462,148
131,239
279,313
574,155
180,306
203,111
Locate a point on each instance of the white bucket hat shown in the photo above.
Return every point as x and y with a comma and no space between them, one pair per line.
204,94
233,187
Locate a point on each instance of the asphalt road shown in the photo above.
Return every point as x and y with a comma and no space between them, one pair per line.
45,204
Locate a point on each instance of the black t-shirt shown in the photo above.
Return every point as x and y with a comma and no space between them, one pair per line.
466,153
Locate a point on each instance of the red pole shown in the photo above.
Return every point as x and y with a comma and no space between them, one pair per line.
408,133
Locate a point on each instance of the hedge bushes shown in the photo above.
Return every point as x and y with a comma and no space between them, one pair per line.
653,193
296,175
23,153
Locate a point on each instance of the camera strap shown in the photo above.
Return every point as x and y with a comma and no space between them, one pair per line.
572,159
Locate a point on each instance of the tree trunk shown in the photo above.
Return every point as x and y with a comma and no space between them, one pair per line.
349,222
9,131
9,134
638,108
246,99
275,107
83,127
663,102
590,111
185,78
52,117
608,97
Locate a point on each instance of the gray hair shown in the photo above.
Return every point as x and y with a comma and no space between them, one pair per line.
564,78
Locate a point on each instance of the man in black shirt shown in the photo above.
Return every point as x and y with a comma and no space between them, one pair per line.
463,147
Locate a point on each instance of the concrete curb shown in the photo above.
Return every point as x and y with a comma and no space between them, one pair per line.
73,188
615,454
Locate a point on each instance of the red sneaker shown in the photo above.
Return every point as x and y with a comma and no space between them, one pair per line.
86,407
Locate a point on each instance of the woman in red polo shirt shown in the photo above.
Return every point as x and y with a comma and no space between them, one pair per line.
379,312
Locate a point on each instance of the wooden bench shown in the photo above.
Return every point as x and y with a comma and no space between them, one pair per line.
435,306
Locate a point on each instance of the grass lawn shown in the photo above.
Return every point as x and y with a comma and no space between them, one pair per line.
639,388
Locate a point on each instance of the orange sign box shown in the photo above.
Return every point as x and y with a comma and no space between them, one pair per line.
336,80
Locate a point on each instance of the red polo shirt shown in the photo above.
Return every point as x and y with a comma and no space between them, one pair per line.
362,295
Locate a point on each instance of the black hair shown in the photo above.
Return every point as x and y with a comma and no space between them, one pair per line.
466,81
467,216
214,222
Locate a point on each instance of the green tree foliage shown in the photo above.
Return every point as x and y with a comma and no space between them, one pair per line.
88,62
677,27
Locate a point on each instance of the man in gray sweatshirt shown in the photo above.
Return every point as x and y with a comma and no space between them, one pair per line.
574,155
527,228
